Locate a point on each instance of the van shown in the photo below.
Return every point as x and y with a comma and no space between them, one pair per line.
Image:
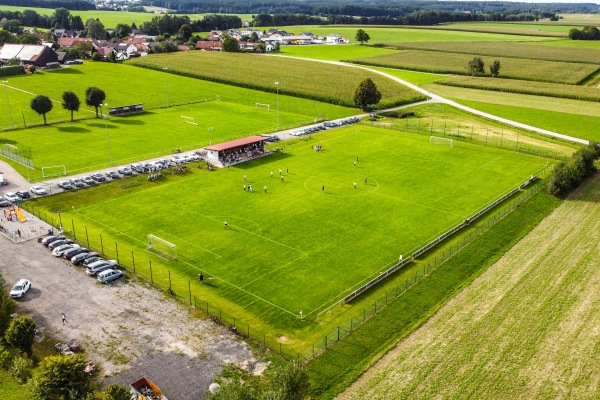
100,266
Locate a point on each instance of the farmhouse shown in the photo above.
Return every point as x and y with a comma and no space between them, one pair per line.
29,54
236,151
209,45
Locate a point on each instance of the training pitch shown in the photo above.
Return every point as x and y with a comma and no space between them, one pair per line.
312,237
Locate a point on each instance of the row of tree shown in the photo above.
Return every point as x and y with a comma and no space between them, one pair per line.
587,33
476,67
567,176
94,97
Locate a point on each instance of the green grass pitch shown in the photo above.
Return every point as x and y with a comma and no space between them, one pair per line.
297,247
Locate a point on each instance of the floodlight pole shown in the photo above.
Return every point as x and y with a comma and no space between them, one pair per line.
167,85
277,102
8,101
107,135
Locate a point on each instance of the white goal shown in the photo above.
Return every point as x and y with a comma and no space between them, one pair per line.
263,105
162,248
440,140
189,120
57,170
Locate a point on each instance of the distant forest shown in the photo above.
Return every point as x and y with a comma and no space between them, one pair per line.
68,4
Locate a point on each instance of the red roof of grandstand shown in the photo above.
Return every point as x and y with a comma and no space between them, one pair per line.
236,143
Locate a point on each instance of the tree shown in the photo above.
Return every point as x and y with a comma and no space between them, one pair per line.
117,392
476,67
70,102
122,30
495,68
366,95
261,48
94,97
277,46
28,38
185,32
230,45
95,29
42,105
61,377
21,332
61,18
254,37
362,36
291,382
7,307
6,37
77,23
96,56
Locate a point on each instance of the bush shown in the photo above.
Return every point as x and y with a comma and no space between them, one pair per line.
21,333
398,114
5,358
21,368
567,176
12,70
7,307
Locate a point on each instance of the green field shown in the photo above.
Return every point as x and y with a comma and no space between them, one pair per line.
518,331
297,247
455,63
302,78
333,53
533,51
10,389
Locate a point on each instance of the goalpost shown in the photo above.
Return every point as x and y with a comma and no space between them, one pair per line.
189,120
58,170
263,105
162,248
440,140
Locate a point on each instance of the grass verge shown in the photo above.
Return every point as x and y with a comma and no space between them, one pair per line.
342,364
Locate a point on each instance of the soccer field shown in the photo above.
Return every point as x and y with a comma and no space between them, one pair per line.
297,246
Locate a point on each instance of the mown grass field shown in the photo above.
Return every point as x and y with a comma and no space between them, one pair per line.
323,82
525,28
455,63
532,51
296,247
333,52
524,87
10,389
520,330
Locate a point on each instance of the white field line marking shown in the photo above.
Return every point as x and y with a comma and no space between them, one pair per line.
488,163
192,244
276,269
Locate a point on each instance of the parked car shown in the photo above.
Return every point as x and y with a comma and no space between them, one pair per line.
20,288
49,239
60,250
74,251
57,243
77,182
97,177
109,275
40,191
112,175
23,194
125,171
80,258
99,266
12,197
139,168
176,159
91,260
4,202
64,185
88,180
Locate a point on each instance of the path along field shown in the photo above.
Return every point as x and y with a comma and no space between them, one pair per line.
312,237
526,328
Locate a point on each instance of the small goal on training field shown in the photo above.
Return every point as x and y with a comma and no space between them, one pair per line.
440,140
162,248
263,106
57,170
188,120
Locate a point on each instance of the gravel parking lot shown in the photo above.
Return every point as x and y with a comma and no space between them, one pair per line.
128,328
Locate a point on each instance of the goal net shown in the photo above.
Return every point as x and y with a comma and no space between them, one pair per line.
440,140
58,170
188,120
162,248
263,106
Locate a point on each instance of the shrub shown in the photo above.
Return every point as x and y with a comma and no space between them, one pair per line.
7,307
567,176
12,70
5,358
21,333
21,368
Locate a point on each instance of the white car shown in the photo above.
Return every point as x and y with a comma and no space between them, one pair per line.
59,251
13,198
109,275
40,191
20,288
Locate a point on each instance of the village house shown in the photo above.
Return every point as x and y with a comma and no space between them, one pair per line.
28,54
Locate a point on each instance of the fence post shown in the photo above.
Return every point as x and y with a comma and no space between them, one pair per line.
87,237
117,251
248,331
190,290
73,226
101,244
151,278
350,324
133,261
313,350
338,334
280,347
364,314
170,290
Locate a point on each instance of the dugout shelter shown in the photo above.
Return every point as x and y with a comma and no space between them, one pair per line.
237,151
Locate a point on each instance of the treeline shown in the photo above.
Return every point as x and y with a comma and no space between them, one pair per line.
68,4
13,21
567,176
587,33
171,24
376,8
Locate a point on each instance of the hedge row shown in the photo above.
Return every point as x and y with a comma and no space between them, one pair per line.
12,70
568,175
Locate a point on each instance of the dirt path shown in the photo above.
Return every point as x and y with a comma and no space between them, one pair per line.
129,328
528,328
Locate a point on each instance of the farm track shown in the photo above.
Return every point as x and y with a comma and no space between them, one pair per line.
440,99
526,328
